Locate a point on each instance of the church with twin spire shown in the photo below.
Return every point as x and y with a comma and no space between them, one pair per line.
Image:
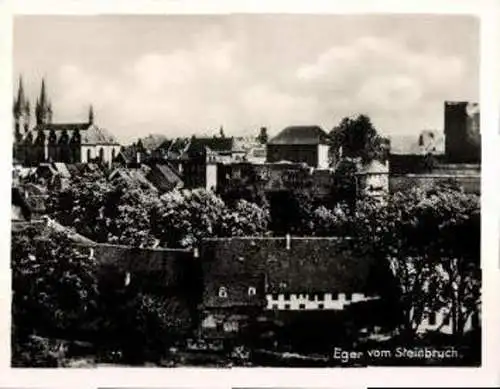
43,140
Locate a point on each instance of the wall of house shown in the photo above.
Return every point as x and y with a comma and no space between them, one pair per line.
95,152
211,177
316,301
373,184
403,182
441,321
293,153
323,160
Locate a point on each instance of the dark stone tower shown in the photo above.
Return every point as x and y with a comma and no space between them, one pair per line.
462,132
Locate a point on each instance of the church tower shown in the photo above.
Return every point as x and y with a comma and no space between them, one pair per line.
21,111
91,115
43,110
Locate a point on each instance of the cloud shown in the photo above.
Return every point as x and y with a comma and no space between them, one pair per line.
384,77
212,82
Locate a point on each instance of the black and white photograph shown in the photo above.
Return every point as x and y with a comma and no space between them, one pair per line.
246,190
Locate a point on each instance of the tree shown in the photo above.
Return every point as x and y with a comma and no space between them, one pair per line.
105,212
358,138
344,187
185,217
54,286
431,239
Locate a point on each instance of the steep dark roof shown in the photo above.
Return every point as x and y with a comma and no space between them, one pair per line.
300,135
309,265
46,227
164,265
164,177
20,201
90,133
198,146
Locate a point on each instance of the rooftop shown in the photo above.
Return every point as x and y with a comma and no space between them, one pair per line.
300,135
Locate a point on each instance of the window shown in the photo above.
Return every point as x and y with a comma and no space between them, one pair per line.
89,157
319,297
311,297
275,307
287,306
286,296
302,306
113,155
321,306
348,296
222,292
252,291
335,296
447,320
432,318
101,154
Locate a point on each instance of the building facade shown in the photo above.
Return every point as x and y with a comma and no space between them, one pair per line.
46,141
301,144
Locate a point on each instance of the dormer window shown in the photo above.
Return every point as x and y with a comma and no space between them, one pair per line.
222,292
252,291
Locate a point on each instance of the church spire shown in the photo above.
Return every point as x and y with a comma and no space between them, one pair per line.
91,114
43,108
21,104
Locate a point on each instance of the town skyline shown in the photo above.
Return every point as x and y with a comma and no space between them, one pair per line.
184,75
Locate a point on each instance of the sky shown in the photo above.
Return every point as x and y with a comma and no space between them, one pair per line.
179,75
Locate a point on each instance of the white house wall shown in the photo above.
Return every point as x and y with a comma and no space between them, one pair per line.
211,177
94,152
441,315
302,301
323,156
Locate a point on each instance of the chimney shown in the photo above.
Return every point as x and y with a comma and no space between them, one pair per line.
288,241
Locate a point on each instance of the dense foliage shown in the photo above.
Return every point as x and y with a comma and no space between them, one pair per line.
430,238
183,218
358,138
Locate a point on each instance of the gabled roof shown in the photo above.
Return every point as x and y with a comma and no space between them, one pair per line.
300,135
90,133
164,267
97,135
47,226
164,177
199,146
18,200
303,265
132,177
62,169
